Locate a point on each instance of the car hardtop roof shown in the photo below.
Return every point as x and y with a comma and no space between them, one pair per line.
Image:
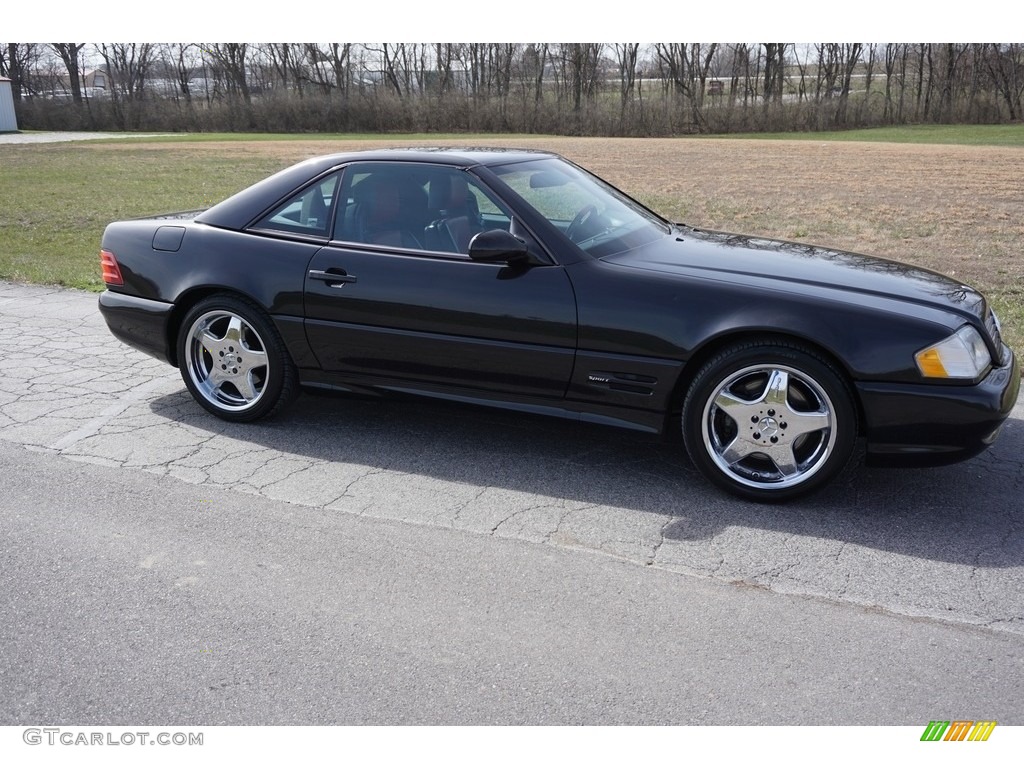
459,156
237,211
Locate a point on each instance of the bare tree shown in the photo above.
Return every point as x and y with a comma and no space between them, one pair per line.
774,71
625,60
869,73
1005,65
68,53
893,56
922,95
574,88
849,56
231,59
490,68
329,67
287,65
685,67
127,67
828,71
953,53
181,61
17,60
535,61
445,54
740,66
801,91
579,64
388,58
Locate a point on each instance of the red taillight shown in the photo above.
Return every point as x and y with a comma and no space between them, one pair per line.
111,271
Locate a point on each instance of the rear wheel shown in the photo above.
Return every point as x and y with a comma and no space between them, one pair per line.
233,360
769,421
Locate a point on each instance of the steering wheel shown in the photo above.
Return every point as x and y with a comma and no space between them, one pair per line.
579,219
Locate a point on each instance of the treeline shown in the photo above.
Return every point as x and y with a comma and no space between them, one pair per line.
607,89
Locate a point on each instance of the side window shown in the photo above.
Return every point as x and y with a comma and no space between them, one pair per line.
383,204
415,206
460,208
307,213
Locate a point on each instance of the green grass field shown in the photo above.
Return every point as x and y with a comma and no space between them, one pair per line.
55,200
976,135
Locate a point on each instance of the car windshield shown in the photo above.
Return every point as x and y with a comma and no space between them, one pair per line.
597,217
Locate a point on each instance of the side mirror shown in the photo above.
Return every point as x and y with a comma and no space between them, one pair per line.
497,245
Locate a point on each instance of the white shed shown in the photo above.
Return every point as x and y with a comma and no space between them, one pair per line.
8,120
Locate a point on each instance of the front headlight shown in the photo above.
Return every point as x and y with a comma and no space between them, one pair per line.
964,355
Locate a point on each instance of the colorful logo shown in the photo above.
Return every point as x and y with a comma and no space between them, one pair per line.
958,730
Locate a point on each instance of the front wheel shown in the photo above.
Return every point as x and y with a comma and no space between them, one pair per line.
233,361
769,422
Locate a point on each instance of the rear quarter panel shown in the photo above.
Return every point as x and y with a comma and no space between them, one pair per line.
268,270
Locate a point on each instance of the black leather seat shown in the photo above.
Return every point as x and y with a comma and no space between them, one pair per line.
457,215
314,211
378,216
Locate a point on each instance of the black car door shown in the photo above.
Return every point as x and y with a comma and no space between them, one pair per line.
395,299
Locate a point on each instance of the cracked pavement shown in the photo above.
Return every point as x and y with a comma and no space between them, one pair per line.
944,543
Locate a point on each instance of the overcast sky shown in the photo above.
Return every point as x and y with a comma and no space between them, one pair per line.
517,21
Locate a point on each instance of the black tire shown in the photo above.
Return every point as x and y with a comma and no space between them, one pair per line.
769,421
233,361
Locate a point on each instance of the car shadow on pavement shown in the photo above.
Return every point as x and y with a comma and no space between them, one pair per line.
968,513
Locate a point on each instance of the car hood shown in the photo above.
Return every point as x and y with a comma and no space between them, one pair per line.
798,266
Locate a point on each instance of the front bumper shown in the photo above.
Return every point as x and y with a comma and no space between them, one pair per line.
139,323
924,425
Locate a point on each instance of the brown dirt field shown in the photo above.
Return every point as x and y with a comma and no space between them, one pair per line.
955,209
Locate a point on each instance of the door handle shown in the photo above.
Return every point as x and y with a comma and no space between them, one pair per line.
337,276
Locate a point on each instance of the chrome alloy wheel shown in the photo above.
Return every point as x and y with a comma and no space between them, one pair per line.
227,361
769,426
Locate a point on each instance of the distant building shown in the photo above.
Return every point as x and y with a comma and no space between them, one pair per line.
8,120
95,78
92,84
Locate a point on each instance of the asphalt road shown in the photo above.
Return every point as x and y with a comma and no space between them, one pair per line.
404,562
